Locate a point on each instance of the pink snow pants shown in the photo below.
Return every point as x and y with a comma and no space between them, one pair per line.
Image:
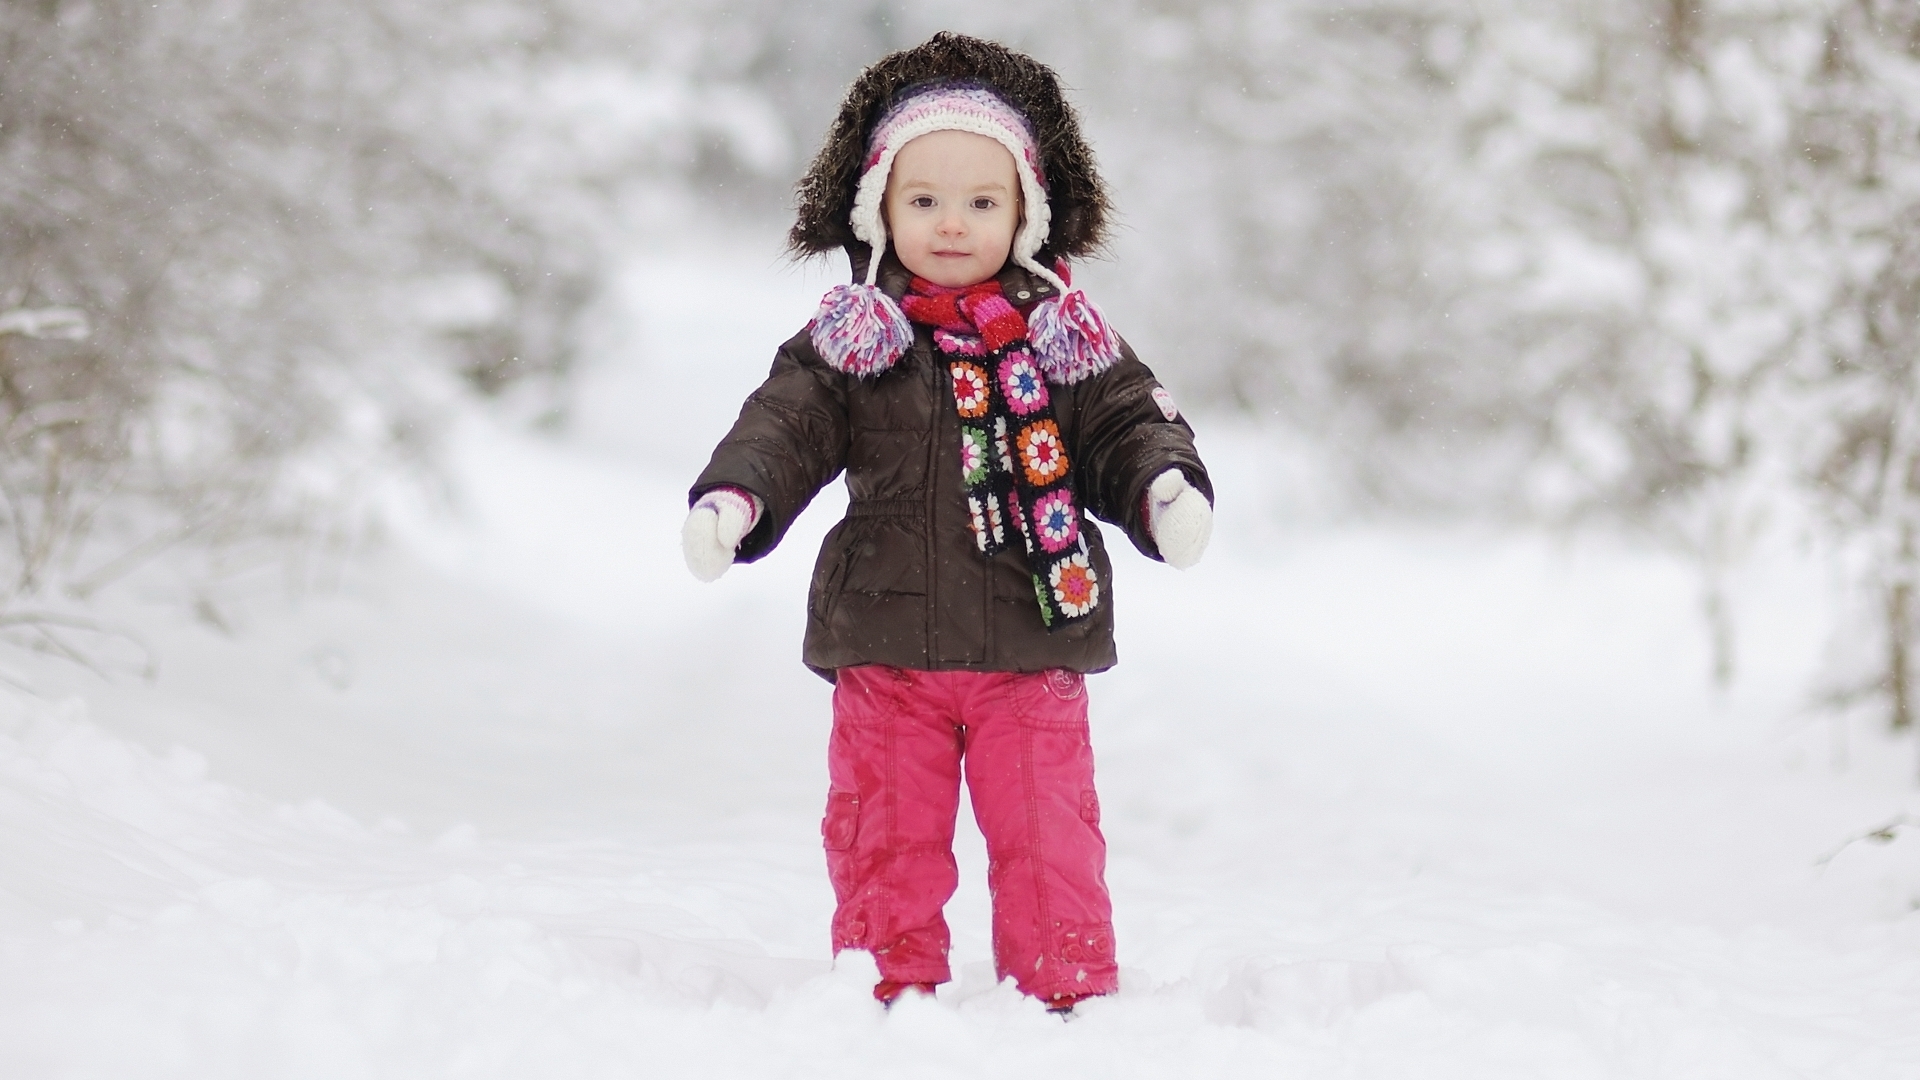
900,738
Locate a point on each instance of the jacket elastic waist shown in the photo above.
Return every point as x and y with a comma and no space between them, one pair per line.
886,508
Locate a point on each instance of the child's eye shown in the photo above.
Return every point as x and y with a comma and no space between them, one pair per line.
924,202
983,203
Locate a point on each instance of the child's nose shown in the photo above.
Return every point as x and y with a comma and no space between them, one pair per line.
952,224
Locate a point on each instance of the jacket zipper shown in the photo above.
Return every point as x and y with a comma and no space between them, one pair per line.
929,543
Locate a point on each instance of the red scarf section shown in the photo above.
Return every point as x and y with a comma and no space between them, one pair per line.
968,309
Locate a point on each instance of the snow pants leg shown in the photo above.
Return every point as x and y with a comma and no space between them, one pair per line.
900,742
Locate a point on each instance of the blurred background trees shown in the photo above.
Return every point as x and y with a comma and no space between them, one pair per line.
253,249
1649,265
1644,264
247,208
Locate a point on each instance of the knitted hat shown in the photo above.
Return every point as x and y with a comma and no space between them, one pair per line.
968,107
861,330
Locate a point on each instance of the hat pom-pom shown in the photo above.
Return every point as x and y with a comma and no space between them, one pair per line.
1071,337
860,330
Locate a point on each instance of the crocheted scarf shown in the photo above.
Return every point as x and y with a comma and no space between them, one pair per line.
1012,458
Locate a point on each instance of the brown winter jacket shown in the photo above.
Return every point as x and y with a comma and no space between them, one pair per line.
899,580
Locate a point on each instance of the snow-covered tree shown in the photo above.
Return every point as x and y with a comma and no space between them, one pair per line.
1853,389
250,250
1649,263
233,201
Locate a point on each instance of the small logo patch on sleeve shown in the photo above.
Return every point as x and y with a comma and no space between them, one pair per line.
1165,400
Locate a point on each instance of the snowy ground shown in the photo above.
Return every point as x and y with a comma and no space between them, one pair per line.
521,799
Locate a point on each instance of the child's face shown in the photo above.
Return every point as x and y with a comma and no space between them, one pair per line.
952,207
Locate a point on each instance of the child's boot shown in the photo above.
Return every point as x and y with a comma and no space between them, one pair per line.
886,991
1062,1006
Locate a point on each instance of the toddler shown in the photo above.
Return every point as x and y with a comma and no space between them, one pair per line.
978,404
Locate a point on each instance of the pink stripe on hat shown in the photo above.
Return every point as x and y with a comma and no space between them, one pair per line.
978,104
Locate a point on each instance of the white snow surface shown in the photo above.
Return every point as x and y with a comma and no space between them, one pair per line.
518,798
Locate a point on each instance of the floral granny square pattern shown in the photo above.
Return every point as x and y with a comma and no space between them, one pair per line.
973,455
1014,466
1056,520
1043,457
1021,384
970,396
1075,586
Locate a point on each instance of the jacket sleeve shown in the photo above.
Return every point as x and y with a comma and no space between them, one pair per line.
1122,439
789,442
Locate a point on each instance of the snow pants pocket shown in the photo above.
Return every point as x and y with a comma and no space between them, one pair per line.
842,822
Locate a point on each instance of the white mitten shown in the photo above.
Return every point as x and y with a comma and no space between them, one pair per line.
1180,519
714,528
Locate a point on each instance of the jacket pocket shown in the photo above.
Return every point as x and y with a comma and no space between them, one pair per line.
829,575
842,824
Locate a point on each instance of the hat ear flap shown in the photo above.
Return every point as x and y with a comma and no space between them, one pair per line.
860,330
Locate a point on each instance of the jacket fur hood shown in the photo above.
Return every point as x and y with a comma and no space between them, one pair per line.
1075,193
